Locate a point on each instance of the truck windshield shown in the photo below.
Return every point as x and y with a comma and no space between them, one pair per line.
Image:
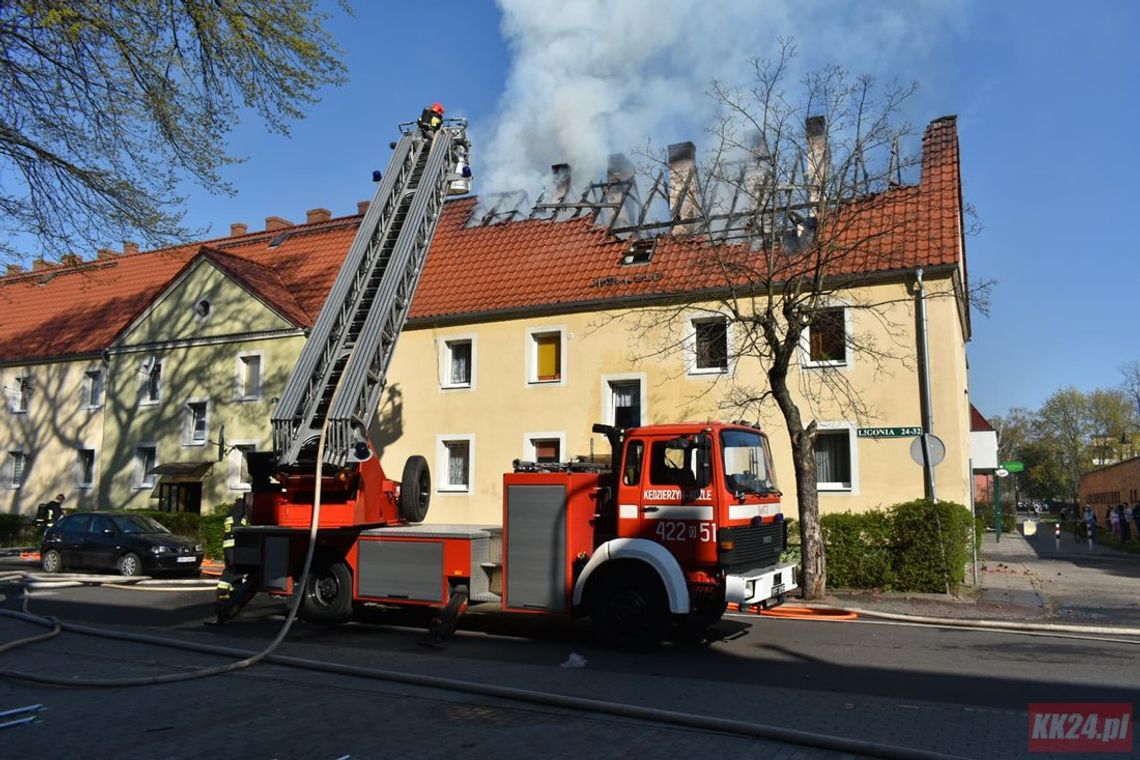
747,468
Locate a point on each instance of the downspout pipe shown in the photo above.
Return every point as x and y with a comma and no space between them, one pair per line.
924,389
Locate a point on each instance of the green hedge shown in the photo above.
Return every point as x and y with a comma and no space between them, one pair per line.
985,512
899,549
16,530
206,529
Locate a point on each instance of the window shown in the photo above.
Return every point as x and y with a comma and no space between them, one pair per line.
152,381
85,468
672,466
707,339
633,455
833,460
195,420
545,448
455,462
146,457
626,400
456,363
17,466
248,376
93,388
239,479
546,356
827,337
21,394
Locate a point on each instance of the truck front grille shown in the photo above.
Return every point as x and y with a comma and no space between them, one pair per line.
753,546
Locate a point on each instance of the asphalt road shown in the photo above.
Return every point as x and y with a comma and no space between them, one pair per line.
952,691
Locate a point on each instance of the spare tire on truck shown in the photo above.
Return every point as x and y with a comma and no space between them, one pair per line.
415,489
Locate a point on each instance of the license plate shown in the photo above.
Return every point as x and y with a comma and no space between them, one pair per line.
187,559
778,589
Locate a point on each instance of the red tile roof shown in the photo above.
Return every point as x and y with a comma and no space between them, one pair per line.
81,309
977,421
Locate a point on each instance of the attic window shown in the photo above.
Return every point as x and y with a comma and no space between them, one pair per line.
281,238
202,308
639,252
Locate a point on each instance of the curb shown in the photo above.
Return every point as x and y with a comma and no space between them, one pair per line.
1011,625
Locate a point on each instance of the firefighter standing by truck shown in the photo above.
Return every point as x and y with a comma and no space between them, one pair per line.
237,516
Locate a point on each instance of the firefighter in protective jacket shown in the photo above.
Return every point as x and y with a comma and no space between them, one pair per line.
431,119
237,516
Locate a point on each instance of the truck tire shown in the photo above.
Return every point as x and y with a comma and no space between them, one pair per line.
415,489
629,609
327,596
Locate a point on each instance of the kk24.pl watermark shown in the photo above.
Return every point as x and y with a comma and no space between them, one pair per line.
1080,727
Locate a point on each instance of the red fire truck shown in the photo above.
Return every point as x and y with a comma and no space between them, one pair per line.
683,520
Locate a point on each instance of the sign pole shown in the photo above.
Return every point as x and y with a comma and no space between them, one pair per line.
997,507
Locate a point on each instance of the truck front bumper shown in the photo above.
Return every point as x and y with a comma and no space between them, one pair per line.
762,585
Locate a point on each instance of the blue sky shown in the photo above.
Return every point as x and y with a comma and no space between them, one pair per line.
1046,94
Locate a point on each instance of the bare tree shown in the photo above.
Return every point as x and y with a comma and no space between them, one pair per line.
799,207
1131,372
107,106
1065,421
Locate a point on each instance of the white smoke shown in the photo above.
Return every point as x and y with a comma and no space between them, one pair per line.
593,77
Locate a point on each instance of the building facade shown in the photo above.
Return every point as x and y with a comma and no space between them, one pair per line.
522,335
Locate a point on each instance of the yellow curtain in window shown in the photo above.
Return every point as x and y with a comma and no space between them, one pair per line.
549,349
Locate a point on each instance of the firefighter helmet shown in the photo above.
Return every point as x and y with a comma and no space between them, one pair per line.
438,108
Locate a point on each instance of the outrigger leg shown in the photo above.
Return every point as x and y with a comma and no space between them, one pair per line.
443,625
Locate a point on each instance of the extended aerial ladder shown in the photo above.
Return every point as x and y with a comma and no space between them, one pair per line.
341,372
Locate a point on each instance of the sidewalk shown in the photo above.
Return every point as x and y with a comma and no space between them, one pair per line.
1031,579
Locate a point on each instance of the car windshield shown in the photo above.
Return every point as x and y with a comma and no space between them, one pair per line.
138,524
747,468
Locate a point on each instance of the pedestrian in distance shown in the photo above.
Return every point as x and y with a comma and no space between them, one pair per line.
1136,518
1090,525
1125,520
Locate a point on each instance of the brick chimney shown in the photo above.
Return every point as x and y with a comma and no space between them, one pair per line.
39,264
14,269
274,223
105,253
683,189
818,157
130,247
619,171
70,259
238,228
559,182
362,207
317,215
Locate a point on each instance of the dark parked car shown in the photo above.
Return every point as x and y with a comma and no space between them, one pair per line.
129,543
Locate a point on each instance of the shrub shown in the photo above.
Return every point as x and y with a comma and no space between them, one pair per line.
930,544
858,549
16,530
985,512
206,529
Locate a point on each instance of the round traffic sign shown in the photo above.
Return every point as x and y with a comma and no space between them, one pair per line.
934,447
1001,472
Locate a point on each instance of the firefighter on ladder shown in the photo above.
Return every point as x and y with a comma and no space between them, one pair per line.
431,119
239,516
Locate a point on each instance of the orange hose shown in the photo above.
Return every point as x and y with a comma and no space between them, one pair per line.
798,613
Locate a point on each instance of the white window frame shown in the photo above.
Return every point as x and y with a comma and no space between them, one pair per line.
13,481
241,392
442,460
607,407
20,396
853,449
144,388
188,422
141,479
529,452
445,343
805,342
94,388
235,457
690,344
532,333
79,481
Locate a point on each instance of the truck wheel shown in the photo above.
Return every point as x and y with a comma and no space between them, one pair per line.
629,610
415,489
328,595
